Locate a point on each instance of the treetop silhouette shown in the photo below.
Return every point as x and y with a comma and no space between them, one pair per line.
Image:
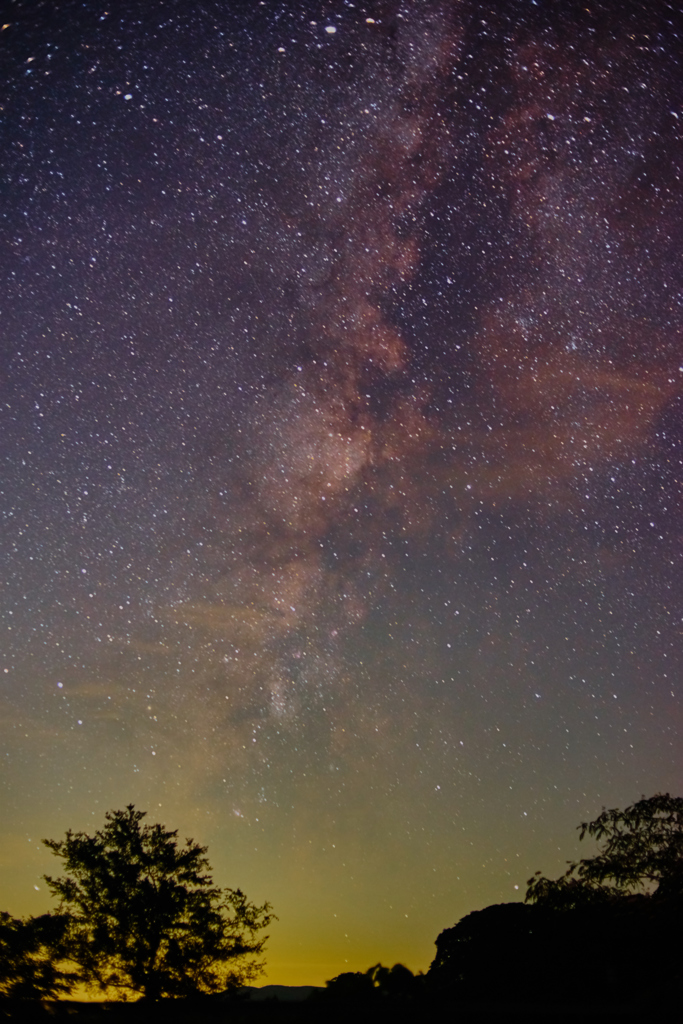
393,982
143,916
640,853
609,928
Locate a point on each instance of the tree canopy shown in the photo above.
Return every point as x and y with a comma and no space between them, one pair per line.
143,917
640,851
393,982
27,965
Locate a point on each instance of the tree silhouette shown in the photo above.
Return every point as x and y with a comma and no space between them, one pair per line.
353,985
27,966
640,852
143,917
397,982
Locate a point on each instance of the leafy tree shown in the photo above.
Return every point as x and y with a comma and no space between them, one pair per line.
143,916
640,852
351,985
395,982
27,966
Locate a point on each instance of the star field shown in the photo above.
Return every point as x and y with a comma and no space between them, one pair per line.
341,444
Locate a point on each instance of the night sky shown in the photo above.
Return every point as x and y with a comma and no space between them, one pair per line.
341,379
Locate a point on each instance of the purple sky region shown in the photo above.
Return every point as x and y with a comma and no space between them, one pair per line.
341,397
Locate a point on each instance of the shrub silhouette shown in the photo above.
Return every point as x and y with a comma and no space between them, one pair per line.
350,985
397,982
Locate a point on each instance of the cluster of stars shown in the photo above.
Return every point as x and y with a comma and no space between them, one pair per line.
342,433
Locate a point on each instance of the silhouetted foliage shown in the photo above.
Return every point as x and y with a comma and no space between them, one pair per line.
143,917
608,928
350,985
27,966
640,851
397,982
524,952
482,945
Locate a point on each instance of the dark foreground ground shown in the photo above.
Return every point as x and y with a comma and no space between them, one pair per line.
331,1012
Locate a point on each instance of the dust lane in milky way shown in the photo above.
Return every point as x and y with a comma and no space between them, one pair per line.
342,426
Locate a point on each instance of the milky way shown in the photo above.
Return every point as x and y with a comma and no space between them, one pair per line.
341,398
